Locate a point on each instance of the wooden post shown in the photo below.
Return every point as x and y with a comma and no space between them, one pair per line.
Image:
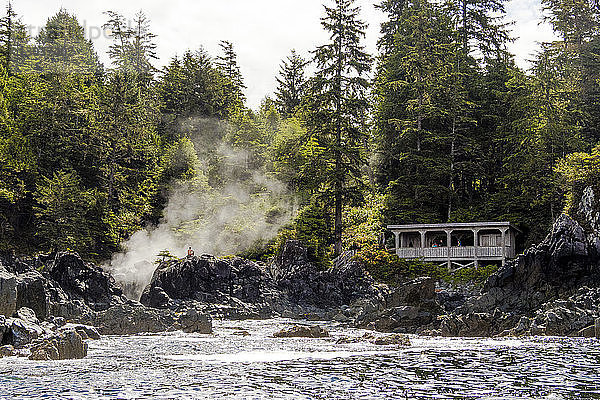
476,245
503,246
397,241
423,233
448,246
598,328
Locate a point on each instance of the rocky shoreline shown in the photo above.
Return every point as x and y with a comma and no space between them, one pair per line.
49,305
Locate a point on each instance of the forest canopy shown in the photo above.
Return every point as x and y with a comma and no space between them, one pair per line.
441,125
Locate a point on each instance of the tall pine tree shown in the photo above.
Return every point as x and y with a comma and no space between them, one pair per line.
337,104
291,84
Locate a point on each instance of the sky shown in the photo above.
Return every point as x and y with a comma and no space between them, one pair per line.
262,31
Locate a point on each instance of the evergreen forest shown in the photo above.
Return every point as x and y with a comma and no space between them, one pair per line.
441,125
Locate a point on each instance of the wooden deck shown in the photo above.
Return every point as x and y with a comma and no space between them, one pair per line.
459,244
465,253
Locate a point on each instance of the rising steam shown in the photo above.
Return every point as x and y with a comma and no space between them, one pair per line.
219,221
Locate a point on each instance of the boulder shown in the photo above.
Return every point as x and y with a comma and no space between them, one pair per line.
395,339
85,331
469,325
27,315
302,331
132,319
155,297
20,333
7,351
420,291
31,293
84,281
191,321
64,345
8,293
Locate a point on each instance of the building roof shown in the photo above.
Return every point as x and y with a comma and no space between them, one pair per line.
458,225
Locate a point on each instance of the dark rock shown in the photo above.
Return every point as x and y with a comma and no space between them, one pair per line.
132,319
85,282
405,309
241,333
7,351
396,339
302,331
155,297
415,292
8,293
20,333
241,289
305,284
553,288
589,332
85,331
192,321
58,321
3,329
469,325
597,325
64,345
31,293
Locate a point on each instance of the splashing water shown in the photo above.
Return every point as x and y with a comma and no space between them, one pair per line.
226,365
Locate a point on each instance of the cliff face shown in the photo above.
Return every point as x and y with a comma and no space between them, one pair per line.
553,288
290,286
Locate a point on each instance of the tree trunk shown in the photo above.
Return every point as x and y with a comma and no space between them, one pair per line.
451,184
339,173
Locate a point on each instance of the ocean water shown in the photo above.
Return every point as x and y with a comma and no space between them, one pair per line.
226,365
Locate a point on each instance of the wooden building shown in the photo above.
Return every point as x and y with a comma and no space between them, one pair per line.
457,245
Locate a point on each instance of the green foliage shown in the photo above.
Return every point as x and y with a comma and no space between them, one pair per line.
578,171
70,217
389,268
452,131
291,84
311,226
335,108
164,255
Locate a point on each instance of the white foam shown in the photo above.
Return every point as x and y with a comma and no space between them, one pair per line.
272,356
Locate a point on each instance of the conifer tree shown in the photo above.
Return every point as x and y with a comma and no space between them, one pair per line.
133,48
337,103
234,82
291,84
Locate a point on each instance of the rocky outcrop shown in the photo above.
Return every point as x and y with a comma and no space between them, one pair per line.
32,293
64,345
302,331
291,286
405,309
8,292
134,318
305,284
24,335
84,281
68,289
551,289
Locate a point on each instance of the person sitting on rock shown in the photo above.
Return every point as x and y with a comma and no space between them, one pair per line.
190,252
